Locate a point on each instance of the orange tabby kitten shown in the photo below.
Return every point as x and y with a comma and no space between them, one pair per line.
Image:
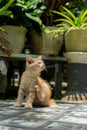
37,90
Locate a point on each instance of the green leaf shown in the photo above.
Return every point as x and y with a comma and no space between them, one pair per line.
83,15
66,21
85,20
69,20
69,12
84,25
36,19
5,7
63,15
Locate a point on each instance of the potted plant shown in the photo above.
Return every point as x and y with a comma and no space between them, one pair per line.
45,44
74,29
74,26
43,41
9,34
28,17
29,13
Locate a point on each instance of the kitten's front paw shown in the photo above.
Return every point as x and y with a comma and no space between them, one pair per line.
28,105
37,88
17,104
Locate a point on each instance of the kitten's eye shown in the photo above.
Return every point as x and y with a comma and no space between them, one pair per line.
39,62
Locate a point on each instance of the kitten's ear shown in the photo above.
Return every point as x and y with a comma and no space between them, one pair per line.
29,59
40,57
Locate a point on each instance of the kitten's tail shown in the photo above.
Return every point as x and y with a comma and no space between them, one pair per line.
52,102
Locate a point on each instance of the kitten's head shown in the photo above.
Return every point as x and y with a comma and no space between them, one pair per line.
35,64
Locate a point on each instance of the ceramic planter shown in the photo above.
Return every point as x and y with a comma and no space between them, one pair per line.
46,44
76,57
15,35
76,40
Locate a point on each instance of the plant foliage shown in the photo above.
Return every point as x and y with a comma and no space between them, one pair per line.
69,20
30,12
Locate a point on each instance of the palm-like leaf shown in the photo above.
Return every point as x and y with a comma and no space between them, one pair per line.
69,20
84,25
83,15
70,13
5,7
66,21
63,15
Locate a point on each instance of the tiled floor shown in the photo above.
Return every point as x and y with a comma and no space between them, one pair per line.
65,116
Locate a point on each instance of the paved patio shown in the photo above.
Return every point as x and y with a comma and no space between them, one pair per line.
65,116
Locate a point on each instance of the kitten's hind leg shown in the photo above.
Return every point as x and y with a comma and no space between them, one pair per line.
19,98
